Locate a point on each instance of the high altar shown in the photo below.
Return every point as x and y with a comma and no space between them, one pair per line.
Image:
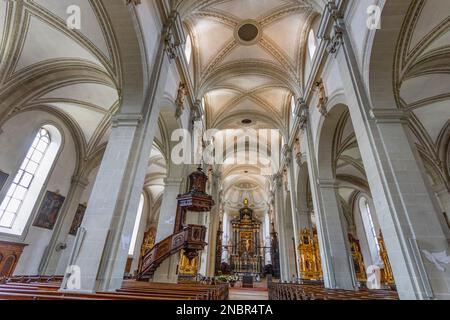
246,257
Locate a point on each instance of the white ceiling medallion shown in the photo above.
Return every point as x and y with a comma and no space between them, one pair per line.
248,32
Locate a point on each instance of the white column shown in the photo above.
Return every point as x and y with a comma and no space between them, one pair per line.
213,226
112,209
167,271
406,211
333,238
166,222
335,256
285,273
294,212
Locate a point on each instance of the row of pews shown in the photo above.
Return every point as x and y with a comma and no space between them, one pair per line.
47,288
289,291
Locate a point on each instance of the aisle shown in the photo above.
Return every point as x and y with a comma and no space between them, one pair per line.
260,292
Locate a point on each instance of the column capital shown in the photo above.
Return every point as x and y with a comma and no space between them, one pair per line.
385,115
174,35
327,184
303,114
126,120
336,40
301,158
287,154
278,179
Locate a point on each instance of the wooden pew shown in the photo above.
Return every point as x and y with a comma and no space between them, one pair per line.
43,288
283,291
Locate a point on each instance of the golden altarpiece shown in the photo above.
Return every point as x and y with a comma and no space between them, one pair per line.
358,261
310,262
310,265
246,257
387,277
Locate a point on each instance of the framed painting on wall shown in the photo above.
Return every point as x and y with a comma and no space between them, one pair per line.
3,178
49,210
76,223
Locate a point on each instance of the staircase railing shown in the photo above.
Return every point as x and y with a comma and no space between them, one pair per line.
191,238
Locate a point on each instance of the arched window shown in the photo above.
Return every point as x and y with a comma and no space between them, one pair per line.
20,199
312,46
369,226
188,49
136,226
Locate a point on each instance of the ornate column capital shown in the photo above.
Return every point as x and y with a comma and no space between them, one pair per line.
173,35
196,112
303,111
336,40
332,26
287,154
300,158
278,179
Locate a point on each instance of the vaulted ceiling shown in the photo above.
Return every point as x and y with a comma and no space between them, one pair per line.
248,61
35,39
248,58
423,74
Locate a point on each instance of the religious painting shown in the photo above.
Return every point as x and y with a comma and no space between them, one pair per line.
76,223
3,178
246,242
49,210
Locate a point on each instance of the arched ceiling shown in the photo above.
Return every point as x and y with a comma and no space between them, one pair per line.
424,67
155,175
237,77
252,80
36,39
422,77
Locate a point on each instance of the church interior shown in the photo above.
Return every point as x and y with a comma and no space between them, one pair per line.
224,150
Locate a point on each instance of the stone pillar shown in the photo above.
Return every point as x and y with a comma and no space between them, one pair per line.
50,260
203,218
285,272
112,209
333,237
294,209
166,223
303,212
406,211
213,226
167,271
334,251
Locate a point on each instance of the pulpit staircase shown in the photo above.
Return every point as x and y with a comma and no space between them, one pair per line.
189,238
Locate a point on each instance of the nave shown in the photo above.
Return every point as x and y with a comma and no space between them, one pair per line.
225,149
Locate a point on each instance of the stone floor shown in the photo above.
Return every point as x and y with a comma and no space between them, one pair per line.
258,293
